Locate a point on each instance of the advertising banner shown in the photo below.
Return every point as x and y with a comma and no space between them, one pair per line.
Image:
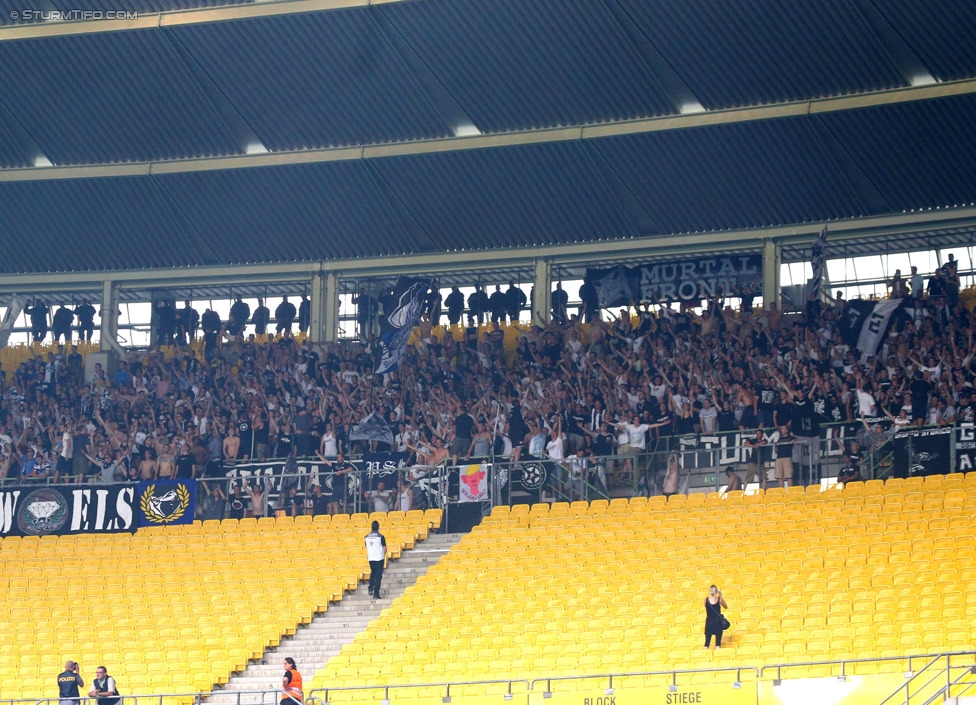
854,690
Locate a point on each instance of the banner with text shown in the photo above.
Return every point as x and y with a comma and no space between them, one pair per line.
678,280
473,485
59,510
925,451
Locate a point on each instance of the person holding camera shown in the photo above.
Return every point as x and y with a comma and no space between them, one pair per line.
715,622
68,684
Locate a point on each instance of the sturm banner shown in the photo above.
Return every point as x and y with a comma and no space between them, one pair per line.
678,280
58,510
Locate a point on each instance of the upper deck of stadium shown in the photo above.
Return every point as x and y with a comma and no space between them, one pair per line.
280,132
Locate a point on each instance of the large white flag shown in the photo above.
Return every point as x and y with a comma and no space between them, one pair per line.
14,309
474,483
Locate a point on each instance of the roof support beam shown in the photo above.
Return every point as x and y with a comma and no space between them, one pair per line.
506,139
879,228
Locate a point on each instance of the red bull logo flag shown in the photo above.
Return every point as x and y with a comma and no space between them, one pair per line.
474,483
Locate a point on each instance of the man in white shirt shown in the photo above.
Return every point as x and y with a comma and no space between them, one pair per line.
636,439
381,498
376,555
708,417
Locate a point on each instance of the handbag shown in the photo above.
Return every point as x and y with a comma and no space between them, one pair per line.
726,624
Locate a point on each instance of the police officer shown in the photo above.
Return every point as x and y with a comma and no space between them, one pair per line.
68,684
376,555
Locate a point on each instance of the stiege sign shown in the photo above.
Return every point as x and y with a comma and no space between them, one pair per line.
678,280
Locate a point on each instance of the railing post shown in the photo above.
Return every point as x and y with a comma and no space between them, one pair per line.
948,660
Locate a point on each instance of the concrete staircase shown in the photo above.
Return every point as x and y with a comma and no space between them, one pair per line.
315,643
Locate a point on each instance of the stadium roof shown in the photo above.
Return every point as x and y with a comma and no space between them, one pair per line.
201,138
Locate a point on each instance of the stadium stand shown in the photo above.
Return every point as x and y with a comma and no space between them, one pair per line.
176,609
875,570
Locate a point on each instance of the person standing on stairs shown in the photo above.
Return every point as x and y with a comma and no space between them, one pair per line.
376,555
291,684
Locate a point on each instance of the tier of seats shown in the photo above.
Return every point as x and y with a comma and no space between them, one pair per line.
176,609
873,570
12,355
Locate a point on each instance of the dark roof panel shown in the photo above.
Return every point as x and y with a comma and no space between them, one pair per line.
923,154
733,176
941,35
112,97
13,150
514,64
316,80
94,224
278,214
509,197
763,51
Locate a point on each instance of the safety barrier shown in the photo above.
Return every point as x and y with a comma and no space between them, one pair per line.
608,683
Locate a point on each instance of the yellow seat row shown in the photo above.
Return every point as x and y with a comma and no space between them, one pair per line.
809,574
179,591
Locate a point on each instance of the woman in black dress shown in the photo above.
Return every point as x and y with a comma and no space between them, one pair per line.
714,621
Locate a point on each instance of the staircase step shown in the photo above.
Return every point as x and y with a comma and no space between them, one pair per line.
315,643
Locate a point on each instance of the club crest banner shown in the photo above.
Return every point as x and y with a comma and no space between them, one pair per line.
167,502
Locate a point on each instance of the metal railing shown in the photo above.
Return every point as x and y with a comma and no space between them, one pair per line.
944,666
671,674
508,686
387,689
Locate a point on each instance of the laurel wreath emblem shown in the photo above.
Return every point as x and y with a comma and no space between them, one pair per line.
182,493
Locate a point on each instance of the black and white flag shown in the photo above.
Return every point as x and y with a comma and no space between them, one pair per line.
397,323
372,428
818,262
863,324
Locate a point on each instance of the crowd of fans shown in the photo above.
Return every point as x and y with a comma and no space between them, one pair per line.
563,391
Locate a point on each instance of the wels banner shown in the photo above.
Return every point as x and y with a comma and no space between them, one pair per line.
165,502
42,511
474,483
678,280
